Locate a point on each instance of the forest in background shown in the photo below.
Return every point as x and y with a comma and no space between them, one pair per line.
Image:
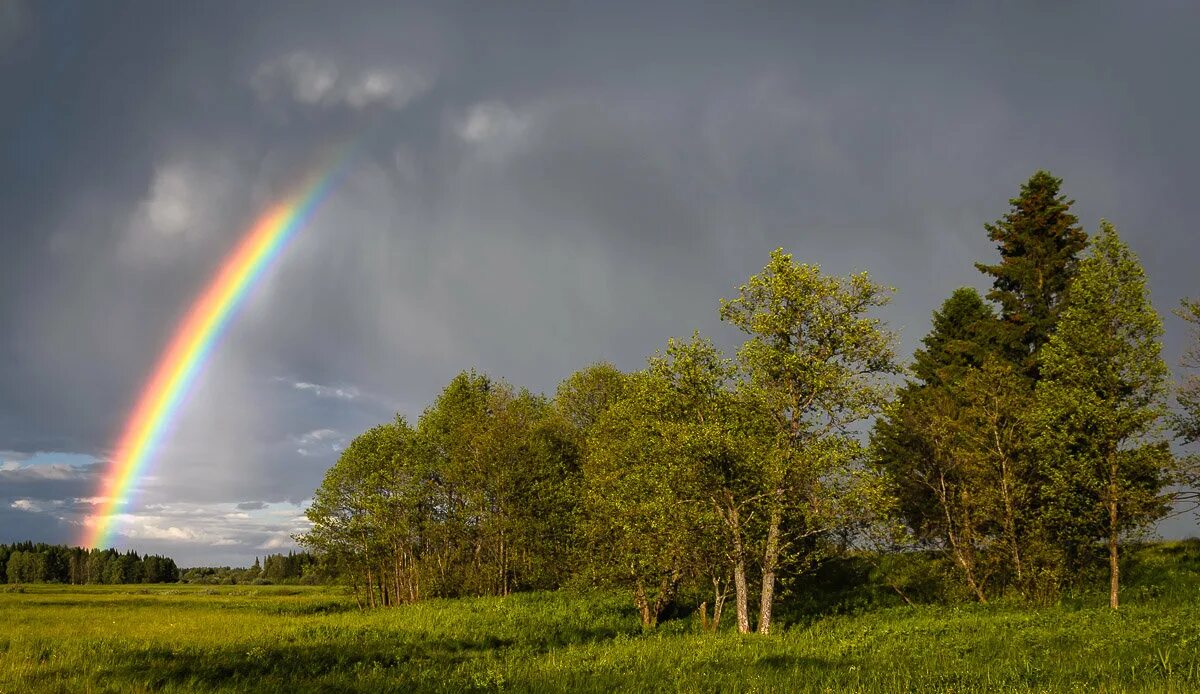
1025,446
28,562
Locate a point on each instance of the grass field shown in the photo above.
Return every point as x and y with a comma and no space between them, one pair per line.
275,638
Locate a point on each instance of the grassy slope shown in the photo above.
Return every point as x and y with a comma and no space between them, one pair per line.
123,638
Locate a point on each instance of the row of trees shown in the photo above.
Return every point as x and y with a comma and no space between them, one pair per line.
27,562
477,498
293,567
1028,441
1034,435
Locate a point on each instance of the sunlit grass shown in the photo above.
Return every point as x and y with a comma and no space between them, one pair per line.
276,638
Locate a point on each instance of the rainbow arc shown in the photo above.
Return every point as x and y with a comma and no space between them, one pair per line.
193,342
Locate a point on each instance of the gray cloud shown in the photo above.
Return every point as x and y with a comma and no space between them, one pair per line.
521,206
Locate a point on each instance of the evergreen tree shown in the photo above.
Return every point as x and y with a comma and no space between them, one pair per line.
1099,406
961,338
1039,240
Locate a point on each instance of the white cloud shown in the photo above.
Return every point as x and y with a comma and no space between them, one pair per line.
307,79
183,205
13,472
339,392
27,505
218,525
317,81
492,122
278,541
395,88
319,442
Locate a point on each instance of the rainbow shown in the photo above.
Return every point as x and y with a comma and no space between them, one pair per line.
193,342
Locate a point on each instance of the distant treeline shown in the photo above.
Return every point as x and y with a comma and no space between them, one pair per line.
1027,443
293,567
26,562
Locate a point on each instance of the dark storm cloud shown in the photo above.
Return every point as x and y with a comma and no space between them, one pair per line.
540,187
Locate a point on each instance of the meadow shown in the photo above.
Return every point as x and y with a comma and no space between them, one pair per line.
185,638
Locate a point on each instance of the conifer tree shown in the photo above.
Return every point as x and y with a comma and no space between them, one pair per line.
959,341
1039,240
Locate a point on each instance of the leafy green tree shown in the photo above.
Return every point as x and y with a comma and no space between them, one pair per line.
348,511
1100,404
1039,241
816,361
586,394
505,477
648,522
1187,422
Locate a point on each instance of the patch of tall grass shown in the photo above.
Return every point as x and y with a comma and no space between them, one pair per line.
311,639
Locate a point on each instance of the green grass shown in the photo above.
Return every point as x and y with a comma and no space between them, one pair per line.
277,638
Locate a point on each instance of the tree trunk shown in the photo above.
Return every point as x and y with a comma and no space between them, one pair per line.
770,561
1010,520
961,550
740,590
648,615
719,595
1114,567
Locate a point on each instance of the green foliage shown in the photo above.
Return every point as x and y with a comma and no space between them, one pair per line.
291,568
815,362
1187,421
26,562
1039,241
479,498
909,441
648,519
1100,404
587,394
962,338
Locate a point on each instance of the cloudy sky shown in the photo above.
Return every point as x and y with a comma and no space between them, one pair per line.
539,187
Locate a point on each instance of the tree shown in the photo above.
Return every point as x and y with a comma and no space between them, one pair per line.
816,362
349,514
962,338
912,441
586,394
1100,403
640,498
1039,240
1187,422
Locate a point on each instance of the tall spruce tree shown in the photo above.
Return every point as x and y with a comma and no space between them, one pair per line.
960,340
1039,241
1100,404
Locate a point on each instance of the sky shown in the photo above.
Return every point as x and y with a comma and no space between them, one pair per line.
539,186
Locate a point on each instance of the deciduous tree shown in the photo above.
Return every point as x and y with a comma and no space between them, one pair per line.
1100,404
816,361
